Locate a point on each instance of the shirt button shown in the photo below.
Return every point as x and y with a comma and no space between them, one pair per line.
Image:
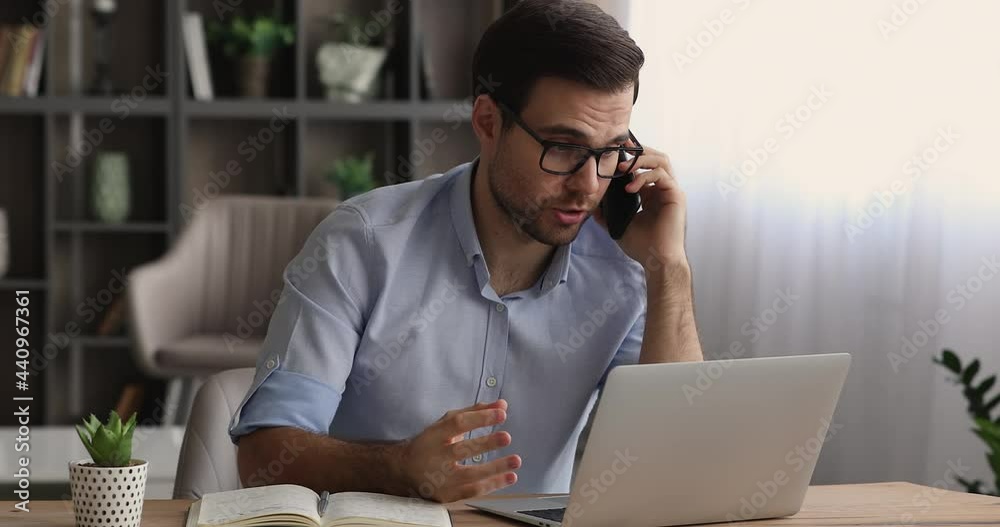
491,382
270,364
500,307
477,458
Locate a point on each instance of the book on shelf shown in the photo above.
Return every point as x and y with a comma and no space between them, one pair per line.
297,506
21,51
197,56
33,77
6,49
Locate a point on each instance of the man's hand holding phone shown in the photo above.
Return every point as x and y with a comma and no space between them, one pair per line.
655,235
431,460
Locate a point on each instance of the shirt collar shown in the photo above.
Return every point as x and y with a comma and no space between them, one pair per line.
465,228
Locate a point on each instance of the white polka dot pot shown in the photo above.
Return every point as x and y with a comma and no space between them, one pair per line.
107,496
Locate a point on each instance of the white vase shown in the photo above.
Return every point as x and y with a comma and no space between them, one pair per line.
107,496
4,244
347,71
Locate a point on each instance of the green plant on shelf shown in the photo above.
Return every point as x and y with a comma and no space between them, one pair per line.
259,37
980,409
109,445
352,175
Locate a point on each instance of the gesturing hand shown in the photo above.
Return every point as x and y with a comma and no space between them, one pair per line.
431,458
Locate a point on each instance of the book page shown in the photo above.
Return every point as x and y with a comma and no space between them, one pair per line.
386,509
223,508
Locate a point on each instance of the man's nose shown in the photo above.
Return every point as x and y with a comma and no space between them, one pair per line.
585,180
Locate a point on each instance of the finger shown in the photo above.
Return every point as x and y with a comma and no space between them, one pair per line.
499,403
473,473
461,422
485,486
657,177
650,160
478,445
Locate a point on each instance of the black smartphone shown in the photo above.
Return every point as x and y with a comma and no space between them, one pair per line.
619,206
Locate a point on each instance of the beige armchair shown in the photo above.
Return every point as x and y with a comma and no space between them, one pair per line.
204,307
207,460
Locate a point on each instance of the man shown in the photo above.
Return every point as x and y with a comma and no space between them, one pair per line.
487,294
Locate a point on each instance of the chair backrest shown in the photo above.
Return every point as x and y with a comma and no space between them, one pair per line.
208,458
246,243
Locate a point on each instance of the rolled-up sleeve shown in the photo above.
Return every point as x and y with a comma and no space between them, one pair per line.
314,332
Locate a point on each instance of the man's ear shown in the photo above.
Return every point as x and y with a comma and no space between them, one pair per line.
486,121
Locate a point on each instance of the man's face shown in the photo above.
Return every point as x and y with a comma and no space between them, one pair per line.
551,209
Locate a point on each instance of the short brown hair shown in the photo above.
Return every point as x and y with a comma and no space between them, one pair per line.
568,39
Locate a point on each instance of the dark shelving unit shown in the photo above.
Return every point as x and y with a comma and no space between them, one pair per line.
175,144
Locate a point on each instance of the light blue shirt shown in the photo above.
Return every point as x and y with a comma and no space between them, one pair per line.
388,320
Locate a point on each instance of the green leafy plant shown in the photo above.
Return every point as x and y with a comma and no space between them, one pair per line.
261,36
110,445
980,409
352,175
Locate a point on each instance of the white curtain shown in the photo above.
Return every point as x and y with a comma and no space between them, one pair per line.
784,119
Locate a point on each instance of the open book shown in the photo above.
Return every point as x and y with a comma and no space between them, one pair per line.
292,505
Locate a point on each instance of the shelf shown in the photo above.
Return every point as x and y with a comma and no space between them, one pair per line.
10,284
87,226
452,111
94,341
120,107
22,105
240,108
393,111
388,111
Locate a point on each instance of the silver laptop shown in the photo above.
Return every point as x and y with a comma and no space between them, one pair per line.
697,442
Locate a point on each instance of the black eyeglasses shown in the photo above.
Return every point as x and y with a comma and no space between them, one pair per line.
564,159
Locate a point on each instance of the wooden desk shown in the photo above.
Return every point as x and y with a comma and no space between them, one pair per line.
870,504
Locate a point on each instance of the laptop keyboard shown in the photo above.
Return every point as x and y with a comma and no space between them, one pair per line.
547,514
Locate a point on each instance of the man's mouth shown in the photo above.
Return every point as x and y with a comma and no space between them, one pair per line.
571,216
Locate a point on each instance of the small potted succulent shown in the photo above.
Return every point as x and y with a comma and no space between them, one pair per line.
254,43
350,61
108,489
352,175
